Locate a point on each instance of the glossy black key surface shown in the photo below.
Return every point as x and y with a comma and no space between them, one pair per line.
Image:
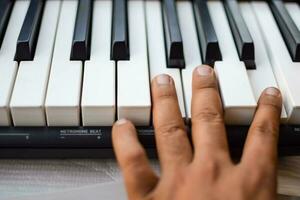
119,41
288,28
206,33
28,37
174,44
240,32
81,44
5,11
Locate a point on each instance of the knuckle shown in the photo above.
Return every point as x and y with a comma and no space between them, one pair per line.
208,115
210,168
266,129
274,105
258,177
209,84
170,129
165,94
173,135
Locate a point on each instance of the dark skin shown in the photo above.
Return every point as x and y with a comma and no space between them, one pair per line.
206,172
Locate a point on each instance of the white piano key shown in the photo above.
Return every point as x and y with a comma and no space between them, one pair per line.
237,95
8,67
31,83
294,10
64,88
98,93
286,71
263,76
156,49
133,76
191,49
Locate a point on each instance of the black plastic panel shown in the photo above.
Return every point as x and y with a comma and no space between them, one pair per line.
95,142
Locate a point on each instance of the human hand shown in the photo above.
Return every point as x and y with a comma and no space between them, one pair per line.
204,171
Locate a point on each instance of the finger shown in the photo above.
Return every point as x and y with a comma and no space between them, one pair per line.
261,144
208,129
138,176
172,142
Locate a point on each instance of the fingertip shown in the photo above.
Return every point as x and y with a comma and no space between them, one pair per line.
272,91
204,77
163,86
203,70
121,123
162,80
121,127
271,96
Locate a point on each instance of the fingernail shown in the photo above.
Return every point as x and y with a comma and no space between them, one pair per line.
204,70
121,122
163,79
272,91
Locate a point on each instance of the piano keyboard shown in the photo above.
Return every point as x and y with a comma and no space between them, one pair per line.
70,68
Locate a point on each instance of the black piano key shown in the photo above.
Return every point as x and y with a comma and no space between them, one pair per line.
174,44
242,37
206,33
5,11
288,28
120,41
28,37
81,44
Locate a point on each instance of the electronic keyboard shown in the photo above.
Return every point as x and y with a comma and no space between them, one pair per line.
70,68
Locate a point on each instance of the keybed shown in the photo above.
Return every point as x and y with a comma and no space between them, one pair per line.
133,87
288,28
8,65
236,92
29,33
5,12
191,51
241,35
62,102
156,48
81,44
29,96
284,69
90,62
96,108
263,76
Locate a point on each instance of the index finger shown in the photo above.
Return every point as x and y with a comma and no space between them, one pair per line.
172,141
261,143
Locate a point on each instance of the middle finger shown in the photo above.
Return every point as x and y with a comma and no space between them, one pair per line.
208,129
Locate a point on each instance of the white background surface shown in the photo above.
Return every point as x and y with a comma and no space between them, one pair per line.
30,177
19,178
